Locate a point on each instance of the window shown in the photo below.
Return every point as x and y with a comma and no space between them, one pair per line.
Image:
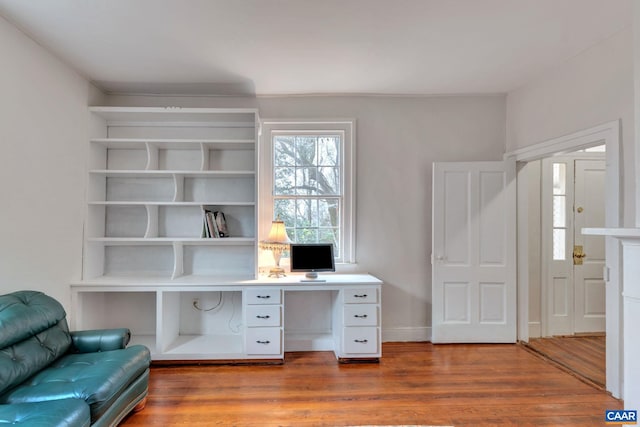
310,182
559,211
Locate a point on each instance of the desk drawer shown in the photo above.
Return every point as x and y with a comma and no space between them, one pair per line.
263,315
264,296
264,341
360,315
361,340
361,296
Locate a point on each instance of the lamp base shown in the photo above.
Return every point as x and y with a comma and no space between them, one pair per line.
277,272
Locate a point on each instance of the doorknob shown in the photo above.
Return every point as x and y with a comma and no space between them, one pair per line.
580,209
578,255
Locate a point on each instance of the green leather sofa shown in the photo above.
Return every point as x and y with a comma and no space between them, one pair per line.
52,377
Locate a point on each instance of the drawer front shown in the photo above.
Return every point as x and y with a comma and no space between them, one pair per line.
264,341
360,315
361,340
264,315
361,296
264,296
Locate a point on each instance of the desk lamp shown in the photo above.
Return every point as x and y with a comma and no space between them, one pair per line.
277,242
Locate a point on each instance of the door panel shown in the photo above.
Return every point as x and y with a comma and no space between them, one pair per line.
473,256
589,212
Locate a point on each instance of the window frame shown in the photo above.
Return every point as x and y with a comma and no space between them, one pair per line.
344,127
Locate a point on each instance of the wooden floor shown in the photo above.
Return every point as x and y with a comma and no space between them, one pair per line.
583,355
414,383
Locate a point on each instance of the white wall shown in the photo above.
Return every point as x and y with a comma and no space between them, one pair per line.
43,135
589,89
398,138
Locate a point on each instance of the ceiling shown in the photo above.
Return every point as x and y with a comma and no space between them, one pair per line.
278,47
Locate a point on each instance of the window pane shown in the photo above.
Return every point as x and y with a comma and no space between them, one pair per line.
328,213
559,247
285,209
284,150
559,178
328,180
306,181
305,150
559,211
306,213
328,150
306,235
284,180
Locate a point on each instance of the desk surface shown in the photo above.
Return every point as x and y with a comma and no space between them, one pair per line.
323,279
294,281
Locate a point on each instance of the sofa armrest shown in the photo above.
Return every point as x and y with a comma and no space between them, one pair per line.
100,340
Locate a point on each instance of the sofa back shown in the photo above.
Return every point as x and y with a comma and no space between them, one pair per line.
33,333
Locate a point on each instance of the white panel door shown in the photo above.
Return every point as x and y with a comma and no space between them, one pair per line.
473,258
589,212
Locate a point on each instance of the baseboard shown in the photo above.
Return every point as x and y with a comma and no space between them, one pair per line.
406,334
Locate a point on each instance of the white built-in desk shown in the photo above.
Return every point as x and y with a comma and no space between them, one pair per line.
197,318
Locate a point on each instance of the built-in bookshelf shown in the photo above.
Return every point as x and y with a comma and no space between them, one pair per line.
153,172
149,264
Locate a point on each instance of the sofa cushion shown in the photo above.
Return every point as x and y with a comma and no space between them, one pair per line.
24,314
98,378
33,333
67,413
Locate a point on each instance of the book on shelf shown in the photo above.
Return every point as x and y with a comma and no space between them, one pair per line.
221,223
214,225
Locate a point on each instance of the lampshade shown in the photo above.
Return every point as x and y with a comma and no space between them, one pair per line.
278,233
276,242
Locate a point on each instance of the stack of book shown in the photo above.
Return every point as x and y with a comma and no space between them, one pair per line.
214,225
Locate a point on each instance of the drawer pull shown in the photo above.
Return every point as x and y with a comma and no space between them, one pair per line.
360,316
263,296
263,342
361,341
263,317
360,295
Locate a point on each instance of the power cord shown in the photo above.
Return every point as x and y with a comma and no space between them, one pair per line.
197,307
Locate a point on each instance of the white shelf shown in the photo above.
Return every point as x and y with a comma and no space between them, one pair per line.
169,174
123,241
192,346
175,143
138,203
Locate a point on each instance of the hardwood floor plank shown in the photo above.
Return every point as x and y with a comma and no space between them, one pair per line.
584,355
414,383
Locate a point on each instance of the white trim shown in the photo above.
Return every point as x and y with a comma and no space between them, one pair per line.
608,134
597,135
534,330
347,127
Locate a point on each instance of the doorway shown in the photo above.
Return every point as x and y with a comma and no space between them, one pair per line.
572,286
607,134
